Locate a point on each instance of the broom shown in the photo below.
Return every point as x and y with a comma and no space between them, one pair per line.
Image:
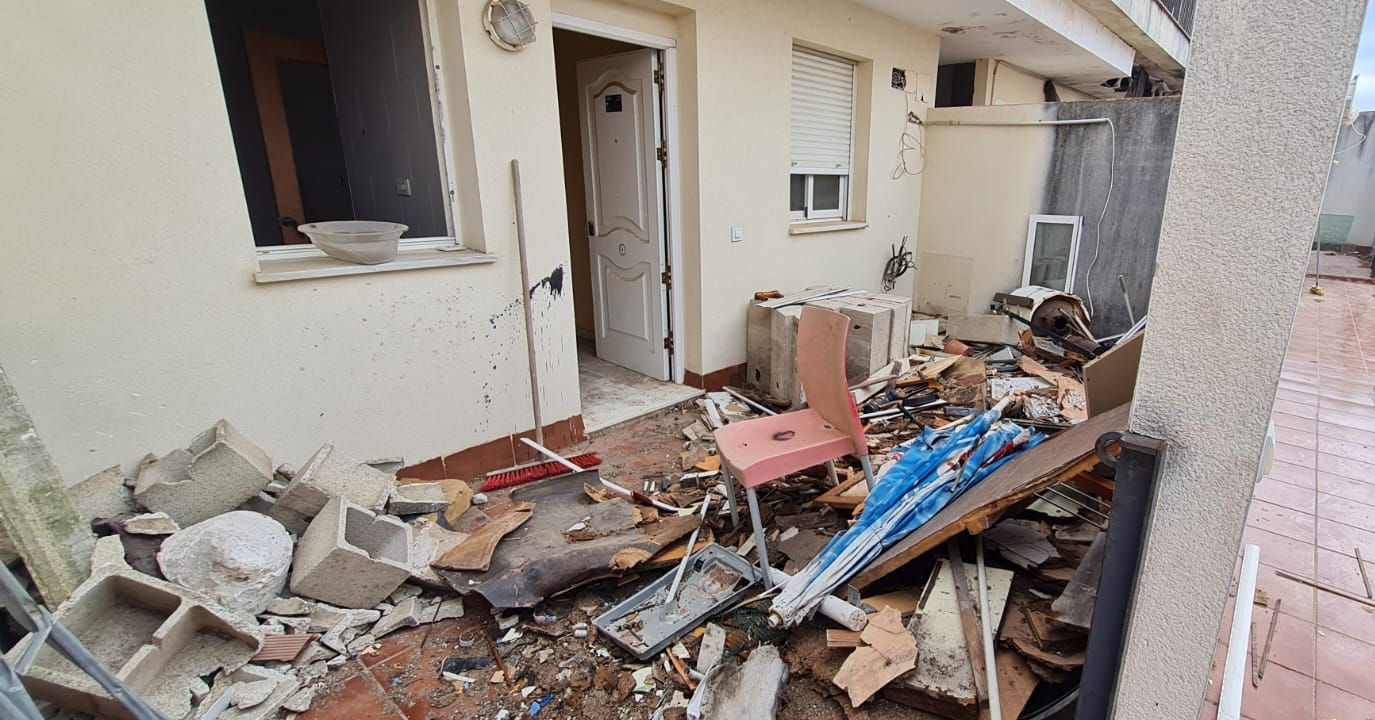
540,471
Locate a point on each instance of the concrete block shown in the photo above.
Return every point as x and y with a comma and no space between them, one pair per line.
350,556
239,559
330,474
158,638
217,472
984,328
417,499
105,494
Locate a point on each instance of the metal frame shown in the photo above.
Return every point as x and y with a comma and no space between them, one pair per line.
1075,221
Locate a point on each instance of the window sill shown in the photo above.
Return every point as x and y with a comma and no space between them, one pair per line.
307,262
807,228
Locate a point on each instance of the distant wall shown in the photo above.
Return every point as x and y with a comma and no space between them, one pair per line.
983,184
377,61
1351,181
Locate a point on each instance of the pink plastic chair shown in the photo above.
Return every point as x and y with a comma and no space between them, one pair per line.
770,447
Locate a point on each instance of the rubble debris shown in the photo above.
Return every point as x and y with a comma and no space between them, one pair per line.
712,648
350,556
417,498
300,700
539,560
105,494
157,523
428,542
329,474
252,694
1075,605
1021,542
239,559
217,472
157,637
475,552
887,651
283,648
289,606
229,688
943,681
743,690
408,613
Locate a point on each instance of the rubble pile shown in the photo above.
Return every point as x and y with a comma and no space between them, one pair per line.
237,589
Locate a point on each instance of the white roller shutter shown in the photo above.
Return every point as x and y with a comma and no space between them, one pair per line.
822,112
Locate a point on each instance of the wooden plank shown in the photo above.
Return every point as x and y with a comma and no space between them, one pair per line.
1110,378
1016,682
839,496
475,553
904,601
969,622
842,638
1310,582
1060,457
1074,607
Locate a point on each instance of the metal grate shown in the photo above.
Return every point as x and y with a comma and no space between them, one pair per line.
1182,11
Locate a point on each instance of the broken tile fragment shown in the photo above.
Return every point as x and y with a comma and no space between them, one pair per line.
157,523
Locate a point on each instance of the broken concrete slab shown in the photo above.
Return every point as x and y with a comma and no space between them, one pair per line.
429,541
290,606
350,556
748,690
325,617
246,680
408,613
157,523
159,638
300,701
219,471
252,694
449,609
105,494
329,474
417,499
239,559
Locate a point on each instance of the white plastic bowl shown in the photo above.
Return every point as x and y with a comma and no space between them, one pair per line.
366,242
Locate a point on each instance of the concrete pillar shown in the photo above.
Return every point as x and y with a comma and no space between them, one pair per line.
52,538
1257,124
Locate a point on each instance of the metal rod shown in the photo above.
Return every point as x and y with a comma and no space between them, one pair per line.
1365,579
1126,298
613,487
741,397
687,554
525,295
1028,123
759,538
1269,638
1078,502
1229,703
1075,512
995,709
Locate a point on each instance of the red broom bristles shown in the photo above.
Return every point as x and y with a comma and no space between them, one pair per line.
529,474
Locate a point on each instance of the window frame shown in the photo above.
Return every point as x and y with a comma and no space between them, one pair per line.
807,214
1074,221
443,146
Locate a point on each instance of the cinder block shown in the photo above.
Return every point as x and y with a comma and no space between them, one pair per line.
218,472
330,474
157,637
350,556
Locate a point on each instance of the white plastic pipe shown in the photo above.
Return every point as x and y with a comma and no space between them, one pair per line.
1234,672
844,614
990,658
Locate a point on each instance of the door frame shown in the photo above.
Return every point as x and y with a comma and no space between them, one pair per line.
668,54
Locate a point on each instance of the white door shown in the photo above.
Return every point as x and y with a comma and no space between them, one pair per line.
621,135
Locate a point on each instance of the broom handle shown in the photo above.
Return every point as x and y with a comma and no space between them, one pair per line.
613,487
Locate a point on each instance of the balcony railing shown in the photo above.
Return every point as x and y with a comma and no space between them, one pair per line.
1182,11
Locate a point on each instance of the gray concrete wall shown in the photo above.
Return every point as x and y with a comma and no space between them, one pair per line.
1351,182
1078,182
1246,184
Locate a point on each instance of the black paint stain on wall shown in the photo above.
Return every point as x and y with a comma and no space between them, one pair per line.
553,281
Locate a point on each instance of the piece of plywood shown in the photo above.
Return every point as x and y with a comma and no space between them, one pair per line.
1016,682
1063,456
1074,607
888,650
904,601
475,553
847,495
943,681
1110,378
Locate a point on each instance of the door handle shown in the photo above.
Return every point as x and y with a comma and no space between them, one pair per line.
591,229
288,222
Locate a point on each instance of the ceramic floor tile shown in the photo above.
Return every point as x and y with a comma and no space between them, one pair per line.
1294,474
1294,422
1337,704
1290,407
1295,455
1345,616
1347,449
1346,467
1343,510
1362,492
1296,598
1292,645
357,697
1282,521
1280,551
1283,695
1307,439
1282,493
1341,571
1297,396
1343,538
1346,663
1342,432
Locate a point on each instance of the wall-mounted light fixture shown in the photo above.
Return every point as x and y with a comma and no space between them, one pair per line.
509,23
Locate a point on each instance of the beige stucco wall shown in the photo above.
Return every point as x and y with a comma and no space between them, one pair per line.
1001,83
131,320
980,185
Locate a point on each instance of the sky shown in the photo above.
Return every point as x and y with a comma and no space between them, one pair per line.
1365,62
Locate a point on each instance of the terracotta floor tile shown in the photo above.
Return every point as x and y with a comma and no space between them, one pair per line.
1292,646
1363,492
1291,496
358,697
1347,449
1294,422
1343,510
1355,407
1347,617
1280,551
1307,439
1283,695
1295,455
1297,599
1294,474
1339,704
1346,663
1297,396
1340,571
1338,417
1290,407
1281,520
1342,432
1343,538
1346,467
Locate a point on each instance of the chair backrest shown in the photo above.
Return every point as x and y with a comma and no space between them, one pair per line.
821,338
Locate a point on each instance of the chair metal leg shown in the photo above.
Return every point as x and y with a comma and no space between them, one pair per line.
868,470
730,496
831,473
759,538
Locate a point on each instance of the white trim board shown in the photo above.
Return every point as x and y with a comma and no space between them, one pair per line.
1075,221
564,21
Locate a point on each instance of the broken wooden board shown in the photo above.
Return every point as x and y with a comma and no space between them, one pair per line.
1110,378
1062,456
1021,542
888,651
475,553
1016,682
847,495
943,681
1019,633
1071,395
904,601
1074,607
539,560
801,548
837,638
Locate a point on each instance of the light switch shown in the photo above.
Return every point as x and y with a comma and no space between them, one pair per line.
737,234
403,187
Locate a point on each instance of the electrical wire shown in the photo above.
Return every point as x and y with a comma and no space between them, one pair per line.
1353,147
909,141
1098,231
897,265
